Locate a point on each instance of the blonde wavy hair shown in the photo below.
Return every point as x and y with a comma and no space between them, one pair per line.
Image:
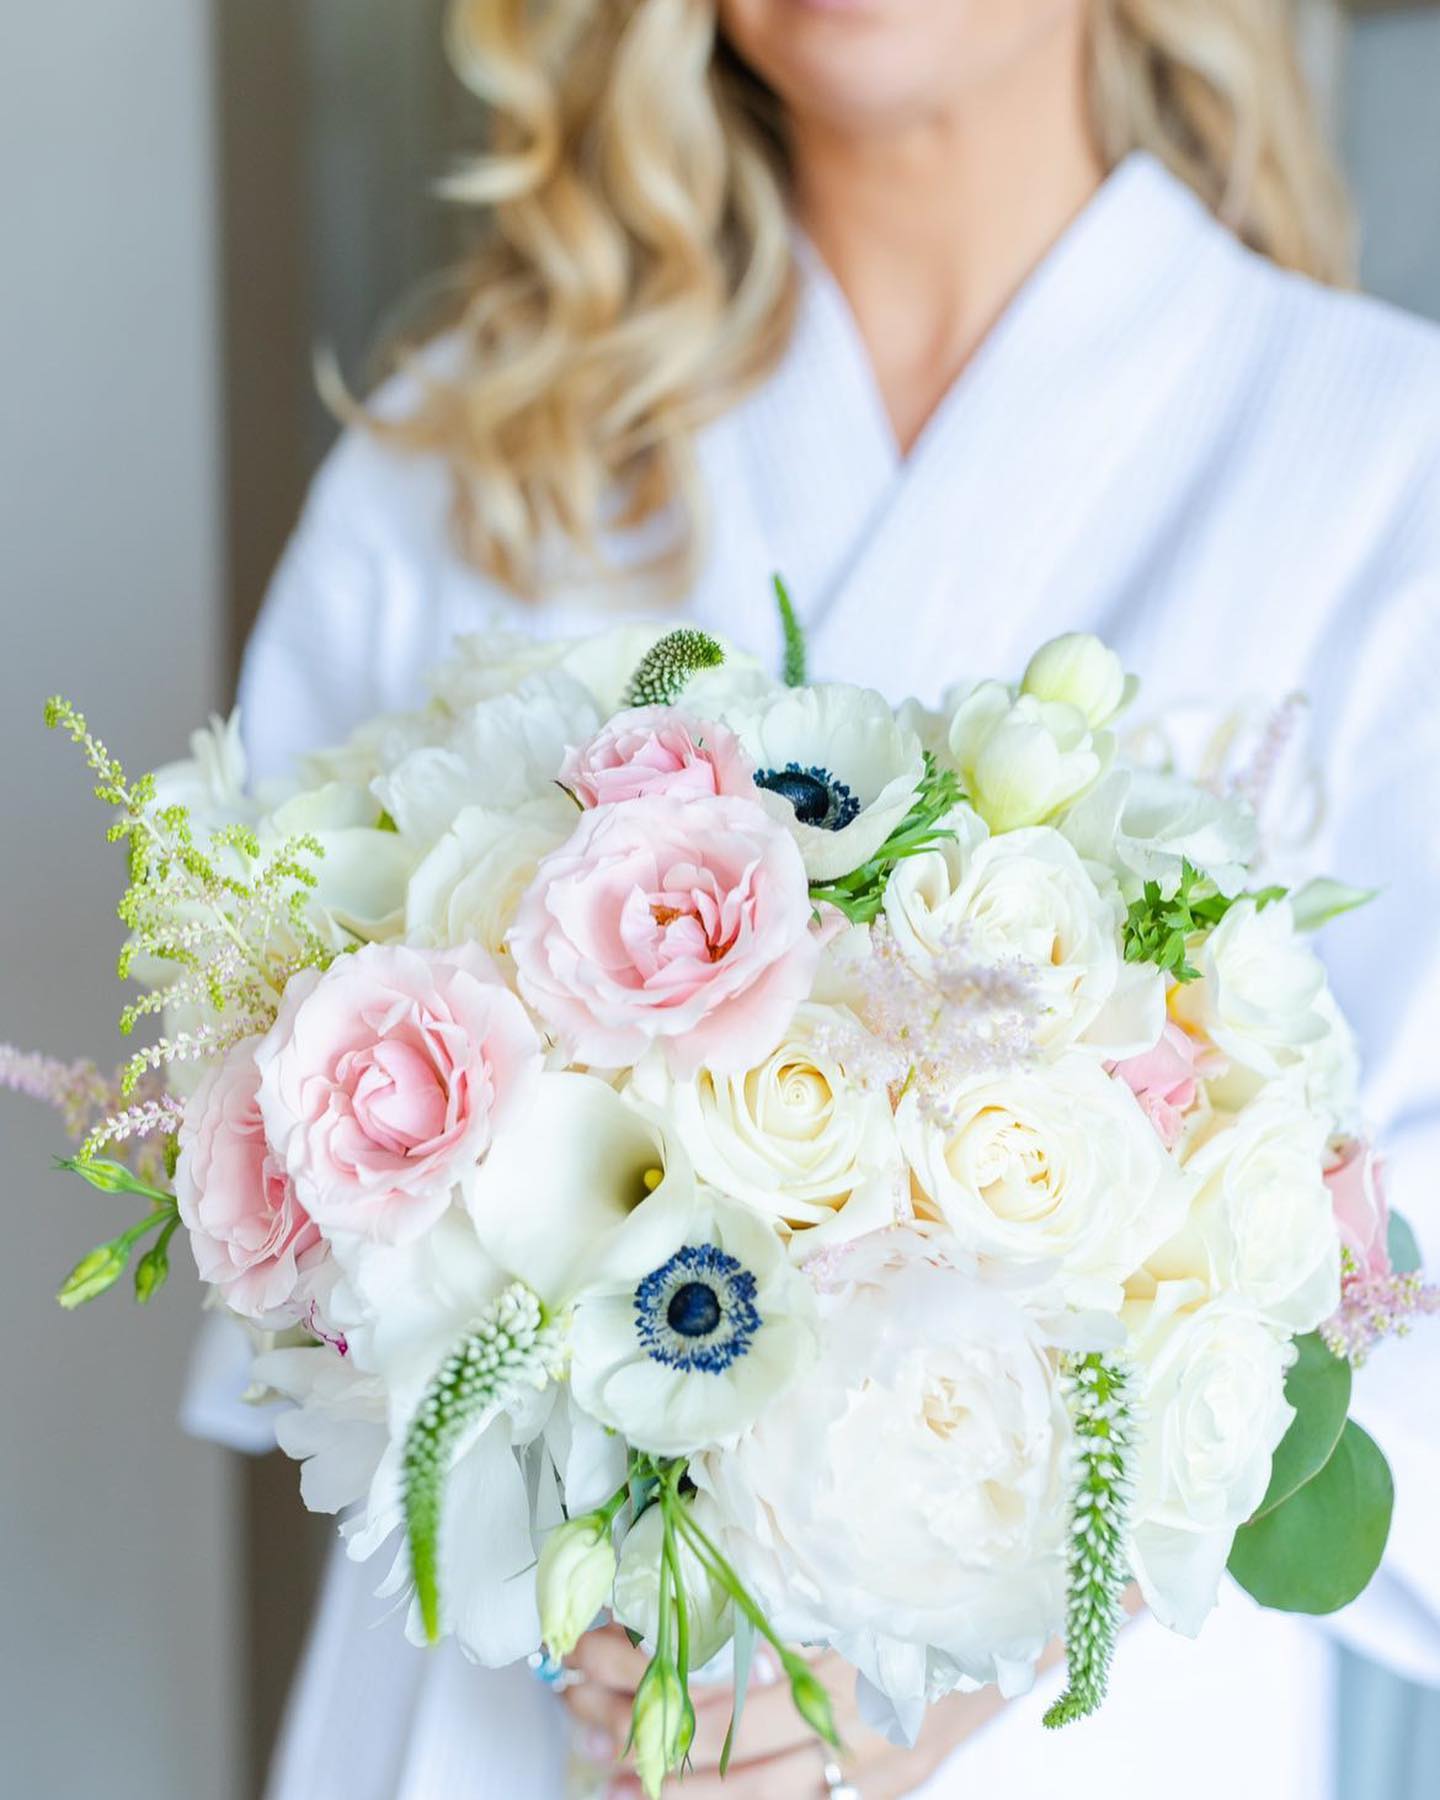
634,275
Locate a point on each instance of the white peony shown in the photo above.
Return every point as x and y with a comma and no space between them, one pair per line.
1143,825
906,1503
1079,670
794,1138
1259,994
466,889
1022,759
692,1324
834,768
1025,897
1261,1223
1057,1168
1212,1389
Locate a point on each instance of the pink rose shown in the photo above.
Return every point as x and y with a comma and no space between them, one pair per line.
654,750
383,1081
251,1236
1166,1080
685,922
1362,1217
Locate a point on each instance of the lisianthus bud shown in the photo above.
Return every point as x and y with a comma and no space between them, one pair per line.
663,1725
811,1697
93,1274
1079,670
1022,760
637,1589
577,1568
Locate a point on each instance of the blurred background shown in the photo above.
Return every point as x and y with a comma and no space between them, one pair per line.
195,194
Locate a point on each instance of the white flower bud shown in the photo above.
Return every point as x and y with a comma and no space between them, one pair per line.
637,1590
1079,670
574,1578
663,1726
1022,760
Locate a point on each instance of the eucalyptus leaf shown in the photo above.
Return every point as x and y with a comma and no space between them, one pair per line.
1317,1550
1321,900
1405,1256
1318,1387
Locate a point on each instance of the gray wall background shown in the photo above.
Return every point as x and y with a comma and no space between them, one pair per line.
155,433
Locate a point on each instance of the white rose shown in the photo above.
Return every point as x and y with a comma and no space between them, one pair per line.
834,767
1080,670
1057,1165
1214,1408
1259,994
1261,1223
1025,896
941,1558
468,886
1143,826
795,1138
1021,760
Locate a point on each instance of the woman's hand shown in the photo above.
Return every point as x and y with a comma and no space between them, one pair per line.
776,1755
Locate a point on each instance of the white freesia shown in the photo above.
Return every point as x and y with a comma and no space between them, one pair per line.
1020,760
938,1559
553,1194
466,888
835,768
1080,670
708,1606
1144,825
1259,994
794,1138
1212,1391
694,1323
1025,897
499,753
1055,1168
1262,1223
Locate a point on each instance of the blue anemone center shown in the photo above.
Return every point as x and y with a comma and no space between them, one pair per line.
697,1311
818,797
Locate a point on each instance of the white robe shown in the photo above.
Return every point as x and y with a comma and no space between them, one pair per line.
1234,477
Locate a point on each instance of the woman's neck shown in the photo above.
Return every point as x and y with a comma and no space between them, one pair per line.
931,227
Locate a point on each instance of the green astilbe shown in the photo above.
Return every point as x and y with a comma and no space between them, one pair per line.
1102,1417
228,919
512,1346
668,665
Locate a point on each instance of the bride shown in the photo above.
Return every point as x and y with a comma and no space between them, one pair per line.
980,320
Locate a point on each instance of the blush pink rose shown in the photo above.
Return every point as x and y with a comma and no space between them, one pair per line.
251,1237
654,750
1166,1080
384,1080
1354,1176
686,923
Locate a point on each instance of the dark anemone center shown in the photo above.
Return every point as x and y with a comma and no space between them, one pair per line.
694,1310
817,796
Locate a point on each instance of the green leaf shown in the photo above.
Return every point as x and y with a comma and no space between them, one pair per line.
1318,1387
793,668
1404,1251
1317,1550
668,665
1322,899
742,1653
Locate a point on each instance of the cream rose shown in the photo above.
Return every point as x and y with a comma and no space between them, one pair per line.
1261,1223
1213,1393
469,886
1053,1166
1025,897
794,1137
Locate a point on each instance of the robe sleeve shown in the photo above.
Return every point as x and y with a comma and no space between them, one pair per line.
1385,968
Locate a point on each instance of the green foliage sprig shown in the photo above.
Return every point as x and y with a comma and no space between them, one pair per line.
861,894
1158,928
98,1271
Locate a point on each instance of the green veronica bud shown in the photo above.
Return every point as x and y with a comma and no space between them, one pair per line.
574,1578
812,1701
90,1277
662,1727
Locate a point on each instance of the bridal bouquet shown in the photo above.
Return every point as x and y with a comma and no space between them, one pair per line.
727,1154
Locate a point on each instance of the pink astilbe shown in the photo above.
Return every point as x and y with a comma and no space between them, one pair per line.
95,1107
923,1034
1375,1306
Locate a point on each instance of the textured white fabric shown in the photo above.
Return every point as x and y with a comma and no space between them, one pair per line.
1234,476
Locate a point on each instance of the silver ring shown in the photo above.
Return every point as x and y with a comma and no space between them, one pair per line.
836,1786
